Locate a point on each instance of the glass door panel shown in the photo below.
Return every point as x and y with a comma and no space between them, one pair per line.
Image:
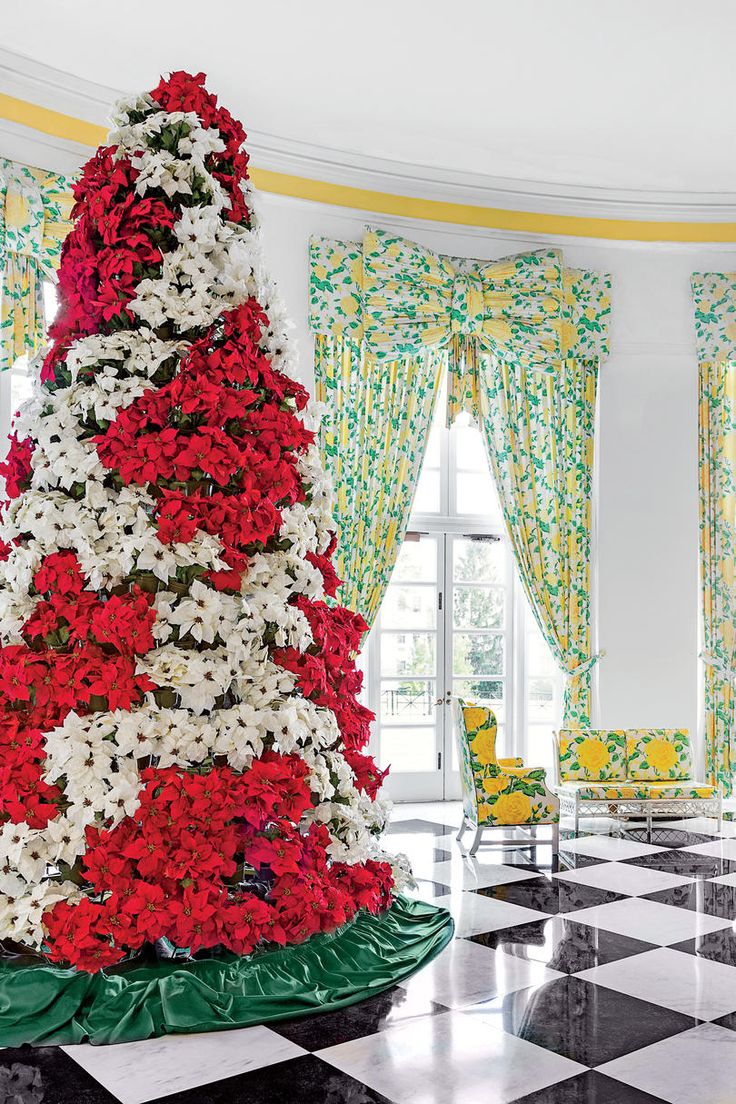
410,661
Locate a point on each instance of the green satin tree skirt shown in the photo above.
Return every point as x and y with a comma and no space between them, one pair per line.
43,1004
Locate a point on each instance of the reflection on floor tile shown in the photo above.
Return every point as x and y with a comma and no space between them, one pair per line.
687,863
591,1087
717,946
585,1022
45,1075
367,1017
694,986
624,878
697,1067
712,898
466,973
475,913
561,944
608,847
456,1058
648,920
550,895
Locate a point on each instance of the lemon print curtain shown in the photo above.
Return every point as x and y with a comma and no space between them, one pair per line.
388,306
35,209
714,297
539,432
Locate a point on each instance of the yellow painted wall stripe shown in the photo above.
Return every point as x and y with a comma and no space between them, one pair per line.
59,125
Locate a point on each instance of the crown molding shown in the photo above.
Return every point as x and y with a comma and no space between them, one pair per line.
317,172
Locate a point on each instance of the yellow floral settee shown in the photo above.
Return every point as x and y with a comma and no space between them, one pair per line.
497,792
637,772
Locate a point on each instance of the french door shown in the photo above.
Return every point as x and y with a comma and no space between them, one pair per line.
445,630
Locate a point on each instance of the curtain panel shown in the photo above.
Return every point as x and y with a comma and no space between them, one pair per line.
521,339
35,210
539,432
714,299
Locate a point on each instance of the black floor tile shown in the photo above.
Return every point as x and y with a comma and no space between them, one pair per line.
711,898
583,1021
589,1088
306,1080
669,837
46,1075
551,895
366,1018
687,863
718,946
562,944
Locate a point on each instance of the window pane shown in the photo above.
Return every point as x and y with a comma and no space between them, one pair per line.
478,607
470,453
541,749
50,301
416,562
478,653
476,495
488,692
541,700
539,658
407,654
20,387
409,607
479,561
409,700
427,497
408,749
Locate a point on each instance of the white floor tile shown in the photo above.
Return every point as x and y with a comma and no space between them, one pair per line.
450,1059
623,878
719,849
142,1071
466,973
607,847
474,913
473,874
649,920
706,825
694,1067
725,879
694,986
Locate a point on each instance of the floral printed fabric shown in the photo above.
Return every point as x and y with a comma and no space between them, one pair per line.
493,793
658,753
683,790
714,296
35,208
372,439
592,754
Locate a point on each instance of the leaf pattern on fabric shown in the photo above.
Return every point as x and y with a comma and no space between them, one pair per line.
35,208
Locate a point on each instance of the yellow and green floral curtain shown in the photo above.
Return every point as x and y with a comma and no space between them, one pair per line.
714,296
35,209
539,431
496,325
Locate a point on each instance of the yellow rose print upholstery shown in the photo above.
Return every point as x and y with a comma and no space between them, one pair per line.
497,792
598,755
684,790
656,754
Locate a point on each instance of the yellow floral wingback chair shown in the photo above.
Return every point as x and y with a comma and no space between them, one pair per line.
498,792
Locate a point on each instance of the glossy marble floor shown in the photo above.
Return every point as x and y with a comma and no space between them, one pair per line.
609,978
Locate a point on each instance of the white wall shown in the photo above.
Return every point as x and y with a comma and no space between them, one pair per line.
648,597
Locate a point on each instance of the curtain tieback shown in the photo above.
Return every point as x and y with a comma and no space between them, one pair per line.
726,672
584,667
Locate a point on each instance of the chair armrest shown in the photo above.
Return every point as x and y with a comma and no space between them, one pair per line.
515,761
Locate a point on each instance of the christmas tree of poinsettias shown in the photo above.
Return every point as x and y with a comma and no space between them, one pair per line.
181,746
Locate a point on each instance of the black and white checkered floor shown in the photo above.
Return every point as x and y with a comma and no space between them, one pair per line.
611,980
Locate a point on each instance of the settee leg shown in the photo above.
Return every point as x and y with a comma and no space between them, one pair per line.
459,835
556,838
649,825
476,841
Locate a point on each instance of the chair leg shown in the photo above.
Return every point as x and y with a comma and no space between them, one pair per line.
476,841
459,836
649,825
556,838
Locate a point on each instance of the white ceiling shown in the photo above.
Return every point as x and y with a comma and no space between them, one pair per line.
612,94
